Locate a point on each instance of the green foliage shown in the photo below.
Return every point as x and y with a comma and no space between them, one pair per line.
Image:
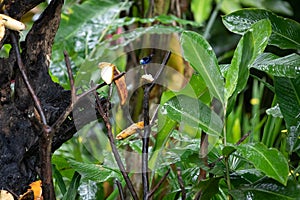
284,31
202,58
269,161
223,98
250,46
188,110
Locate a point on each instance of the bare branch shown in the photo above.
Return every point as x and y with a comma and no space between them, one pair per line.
25,78
181,184
71,78
147,127
120,189
116,154
158,184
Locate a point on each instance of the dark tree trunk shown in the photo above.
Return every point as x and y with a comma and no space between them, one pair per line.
20,128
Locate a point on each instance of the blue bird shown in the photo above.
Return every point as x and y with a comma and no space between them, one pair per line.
146,60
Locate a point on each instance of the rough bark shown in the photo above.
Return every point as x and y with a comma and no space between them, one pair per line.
20,129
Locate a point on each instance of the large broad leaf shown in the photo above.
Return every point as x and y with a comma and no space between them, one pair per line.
97,13
288,97
200,54
287,66
250,46
269,161
193,112
195,88
285,32
94,172
267,189
165,128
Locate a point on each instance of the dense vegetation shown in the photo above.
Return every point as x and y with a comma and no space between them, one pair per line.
224,116
232,130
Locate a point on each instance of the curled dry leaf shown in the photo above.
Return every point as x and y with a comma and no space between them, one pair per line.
147,78
11,23
35,191
5,195
121,87
2,31
130,130
108,72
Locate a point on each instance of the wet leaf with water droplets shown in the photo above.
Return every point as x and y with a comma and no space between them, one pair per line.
287,66
267,160
285,32
193,112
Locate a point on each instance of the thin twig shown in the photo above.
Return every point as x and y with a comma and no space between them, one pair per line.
25,78
243,138
158,184
147,127
96,87
162,67
69,109
116,154
181,184
71,78
120,189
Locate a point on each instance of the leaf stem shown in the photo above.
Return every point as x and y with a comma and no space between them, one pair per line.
212,20
225,144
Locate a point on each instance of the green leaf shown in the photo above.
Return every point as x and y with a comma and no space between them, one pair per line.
200,54
195,88
209,187
169,19
81,28
201,9
165,128
277,6
285,32
78,17
269,161
288,97
94,172
73,188
287,66
268,189
229,6
250,46
59,180
245,176
227,150
62,166
193,112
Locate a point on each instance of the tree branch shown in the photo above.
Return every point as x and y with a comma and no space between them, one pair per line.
158,184
181,184
105,117
147,127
